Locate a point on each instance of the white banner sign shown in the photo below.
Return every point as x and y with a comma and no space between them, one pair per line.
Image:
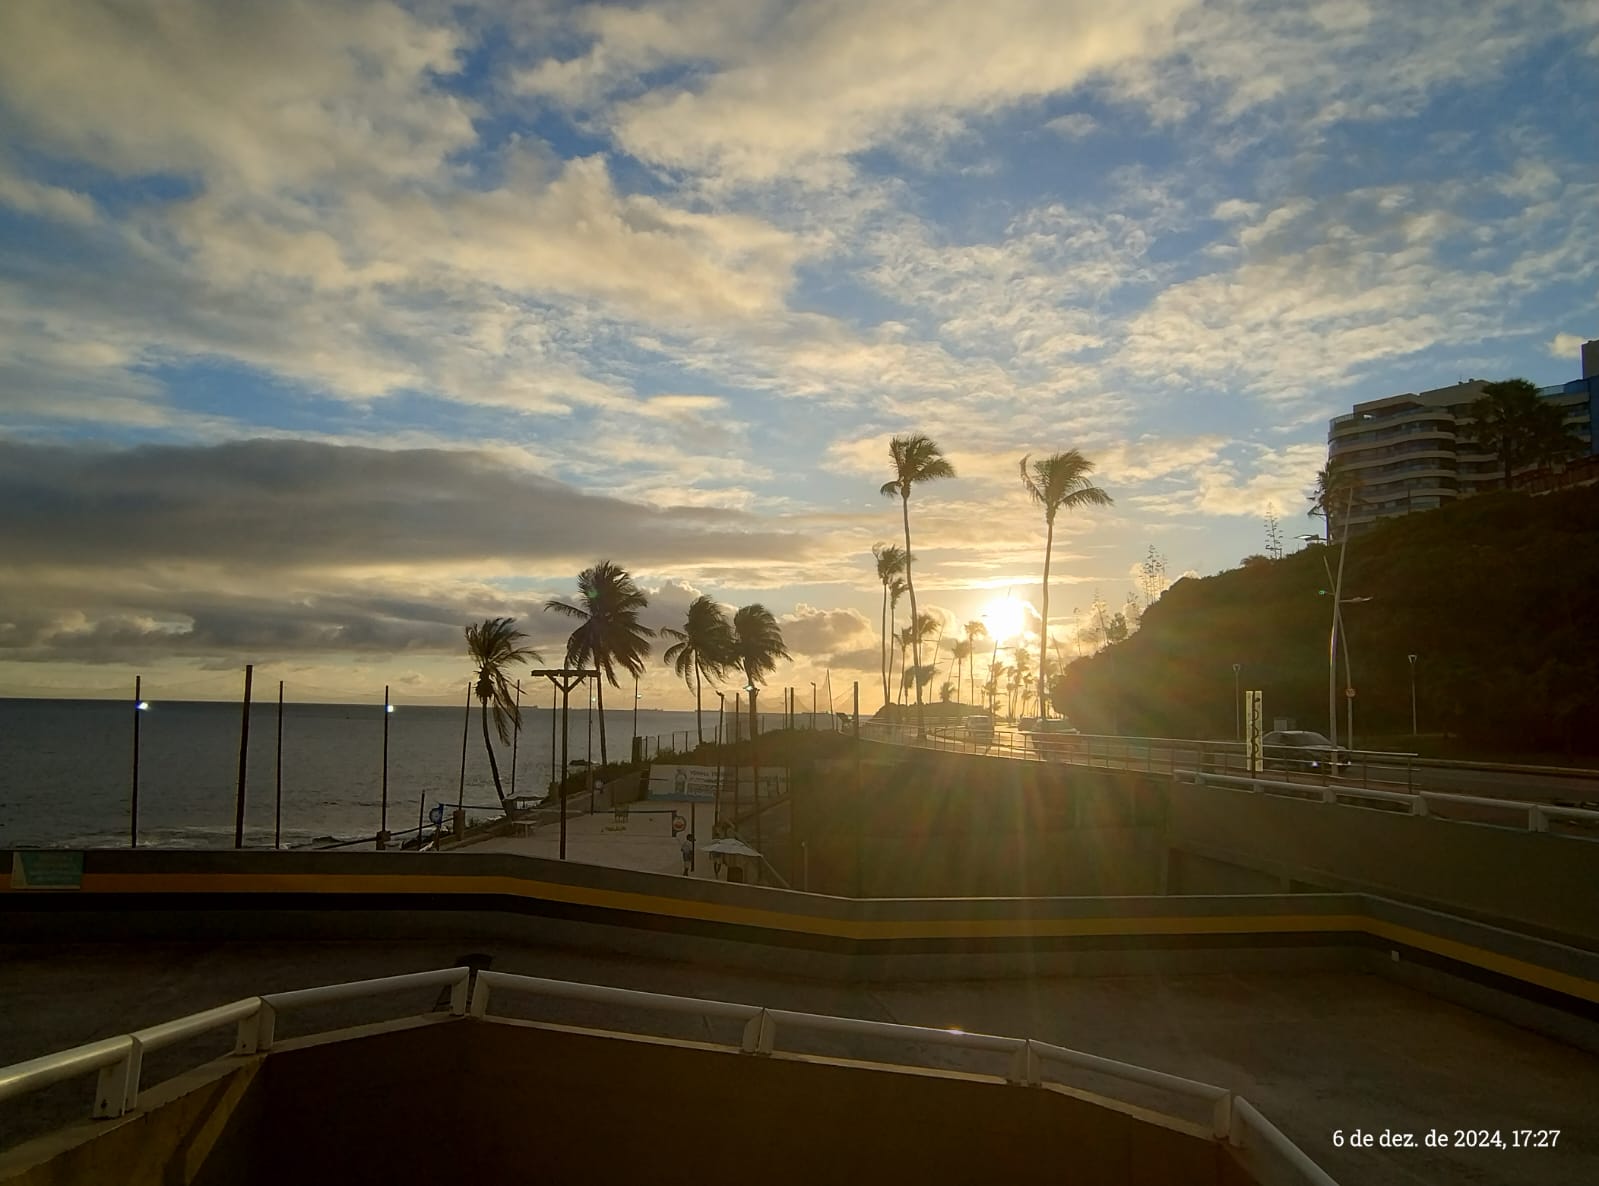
699,782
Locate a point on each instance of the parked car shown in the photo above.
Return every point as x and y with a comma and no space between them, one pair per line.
1300,749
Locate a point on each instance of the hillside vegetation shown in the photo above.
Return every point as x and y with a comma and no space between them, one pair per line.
1497,596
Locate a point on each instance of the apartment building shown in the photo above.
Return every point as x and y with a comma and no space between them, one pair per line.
1415,451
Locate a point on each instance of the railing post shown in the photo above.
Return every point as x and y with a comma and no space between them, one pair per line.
1418,805
760,1034
1221,1117
266,1026
458,992
249,1033
111,1091
480,997
1025,1070
1537,821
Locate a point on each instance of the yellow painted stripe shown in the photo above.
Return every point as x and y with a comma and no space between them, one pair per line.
434,886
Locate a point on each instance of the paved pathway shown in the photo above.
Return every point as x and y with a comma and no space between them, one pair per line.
645,842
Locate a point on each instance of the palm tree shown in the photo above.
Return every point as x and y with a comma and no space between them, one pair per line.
1022,682
702,649
904,639
946,692
1059,480
890,564
493,646
896,590
961,652
1519,427
608,606
1336,488
757,645
911,638
916,460
974,631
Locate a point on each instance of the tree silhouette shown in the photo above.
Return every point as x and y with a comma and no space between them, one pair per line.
1058,481
704,647
916,459
493,645
609,633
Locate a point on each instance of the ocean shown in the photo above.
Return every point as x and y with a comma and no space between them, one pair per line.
66,768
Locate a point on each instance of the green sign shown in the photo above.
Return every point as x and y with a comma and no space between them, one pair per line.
46,870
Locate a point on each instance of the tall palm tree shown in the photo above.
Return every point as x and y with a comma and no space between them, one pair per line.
961,652
494,647
890,565
916,459
911,638
1059,480
974,630
757,645
703,649
609,633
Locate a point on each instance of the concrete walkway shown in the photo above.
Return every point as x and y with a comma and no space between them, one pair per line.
645,842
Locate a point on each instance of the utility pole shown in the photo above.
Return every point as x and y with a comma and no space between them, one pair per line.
565,678
244,758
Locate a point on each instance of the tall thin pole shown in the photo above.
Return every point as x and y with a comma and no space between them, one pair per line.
554,717
383,818
755,769
860,799
738,708
138,711
244,757
466,725
566,739
1238,718
721,706
632,753
1332,638
277,813
813,706
516,736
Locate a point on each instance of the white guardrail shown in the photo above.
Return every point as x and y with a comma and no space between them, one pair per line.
119,1060
1538,815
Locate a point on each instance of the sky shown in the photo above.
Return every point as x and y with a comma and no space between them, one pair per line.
327,328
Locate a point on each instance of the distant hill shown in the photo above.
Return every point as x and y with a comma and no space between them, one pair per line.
1498,596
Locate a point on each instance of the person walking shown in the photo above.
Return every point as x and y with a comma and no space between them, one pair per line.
688,854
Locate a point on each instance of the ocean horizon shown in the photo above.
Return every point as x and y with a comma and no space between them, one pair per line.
66,767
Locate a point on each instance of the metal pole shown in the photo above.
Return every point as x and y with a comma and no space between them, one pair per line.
516,736
1412,659
634,750
244,757
277,815
755,770
566,739
554,716
860,799
383,818
1238,712
466,725
721,707
813,706
133,809
1332,637
588,780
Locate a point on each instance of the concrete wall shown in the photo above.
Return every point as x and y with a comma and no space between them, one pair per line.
940,824
1224,840
502,1102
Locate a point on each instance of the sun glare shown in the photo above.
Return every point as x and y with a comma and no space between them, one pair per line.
1004,618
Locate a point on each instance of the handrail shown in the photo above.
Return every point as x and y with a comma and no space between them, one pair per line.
1538,814
1247,1119
119,1059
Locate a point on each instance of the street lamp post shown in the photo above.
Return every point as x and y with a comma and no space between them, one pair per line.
565,679
813,706
1412,658
721,708
1238,717
634,750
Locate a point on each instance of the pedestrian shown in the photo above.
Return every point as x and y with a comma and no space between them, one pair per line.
688,854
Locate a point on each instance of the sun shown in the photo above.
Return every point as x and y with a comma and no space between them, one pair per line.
1005,618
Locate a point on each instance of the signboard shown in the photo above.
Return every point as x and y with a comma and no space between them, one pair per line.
699,782
1255,731
46,870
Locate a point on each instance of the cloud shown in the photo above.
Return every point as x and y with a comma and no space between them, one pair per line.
1077,125
810,631
1565,345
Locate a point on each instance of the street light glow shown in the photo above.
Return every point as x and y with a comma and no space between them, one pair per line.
142,705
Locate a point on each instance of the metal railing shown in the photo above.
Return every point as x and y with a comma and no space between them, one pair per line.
1232,1118
1538,815
119,1060
1371,770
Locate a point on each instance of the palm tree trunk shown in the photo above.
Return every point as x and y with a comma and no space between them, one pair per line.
910,587
494,767
699,724
599,690
883,652
1043,638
